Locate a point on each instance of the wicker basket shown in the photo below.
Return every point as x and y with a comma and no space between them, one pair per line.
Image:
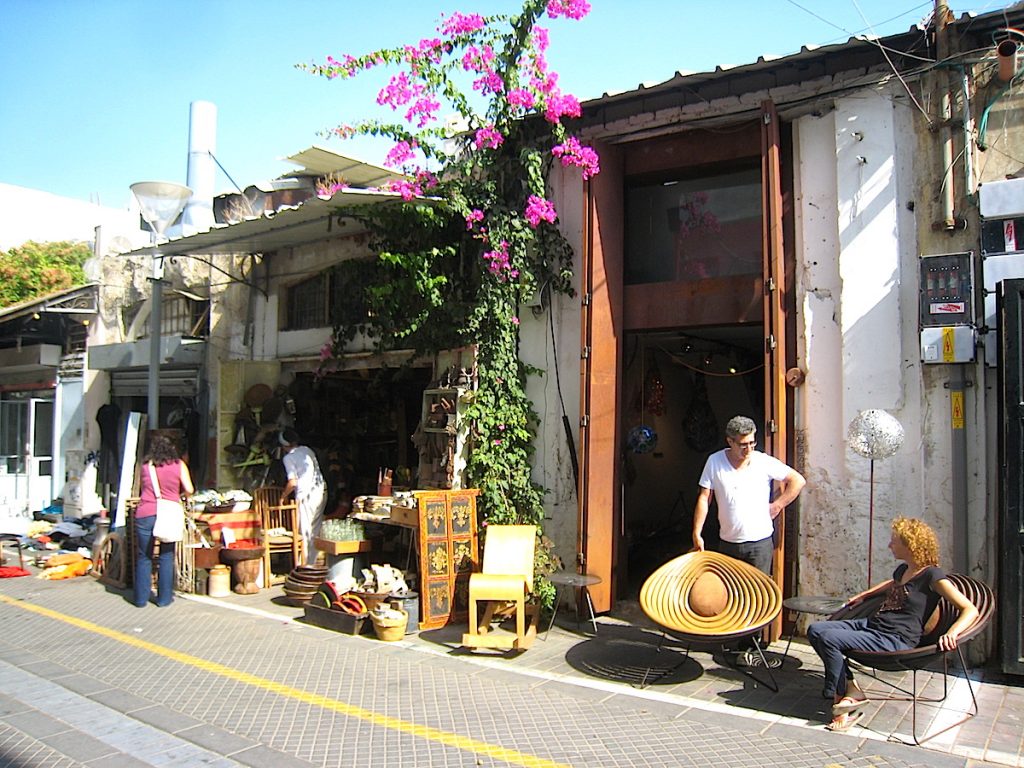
390,630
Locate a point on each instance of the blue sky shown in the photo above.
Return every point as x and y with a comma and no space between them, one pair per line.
95,94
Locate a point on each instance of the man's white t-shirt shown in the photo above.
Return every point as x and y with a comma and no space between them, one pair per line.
743,495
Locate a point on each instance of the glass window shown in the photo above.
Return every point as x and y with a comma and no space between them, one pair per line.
307,304
694,228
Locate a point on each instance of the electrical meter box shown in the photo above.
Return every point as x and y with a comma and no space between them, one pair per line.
947,308
948,344
947,290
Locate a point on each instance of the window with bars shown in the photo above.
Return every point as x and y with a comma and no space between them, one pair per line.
307,303
183,315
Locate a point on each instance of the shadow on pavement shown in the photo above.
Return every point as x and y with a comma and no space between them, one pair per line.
634,656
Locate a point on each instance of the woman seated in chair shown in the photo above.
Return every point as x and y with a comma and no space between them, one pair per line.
910,598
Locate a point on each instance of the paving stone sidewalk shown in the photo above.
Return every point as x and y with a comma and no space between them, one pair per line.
198,684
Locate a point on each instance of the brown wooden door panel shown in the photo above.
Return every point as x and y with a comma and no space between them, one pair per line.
776,436
601,375
712,301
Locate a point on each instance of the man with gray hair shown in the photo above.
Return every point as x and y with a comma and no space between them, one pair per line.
741,480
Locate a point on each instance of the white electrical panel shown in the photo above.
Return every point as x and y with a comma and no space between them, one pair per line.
948,344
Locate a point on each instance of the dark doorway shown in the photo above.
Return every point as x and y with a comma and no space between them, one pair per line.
679,389
1011,449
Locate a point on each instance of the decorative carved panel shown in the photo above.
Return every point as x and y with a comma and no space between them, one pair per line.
448,554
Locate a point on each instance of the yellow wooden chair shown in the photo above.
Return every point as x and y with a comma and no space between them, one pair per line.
275,516
506,577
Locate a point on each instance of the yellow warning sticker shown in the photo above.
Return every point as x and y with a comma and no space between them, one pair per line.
956,405
948,350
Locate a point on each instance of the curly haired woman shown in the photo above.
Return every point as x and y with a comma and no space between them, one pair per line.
910,597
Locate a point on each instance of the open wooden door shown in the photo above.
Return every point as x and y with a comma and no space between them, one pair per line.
600,375
776,437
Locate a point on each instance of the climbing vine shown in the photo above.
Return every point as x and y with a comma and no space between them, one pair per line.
475,235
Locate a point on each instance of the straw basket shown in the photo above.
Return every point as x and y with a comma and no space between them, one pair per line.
390,630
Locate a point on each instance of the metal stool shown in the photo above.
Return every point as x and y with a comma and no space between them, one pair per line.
17,543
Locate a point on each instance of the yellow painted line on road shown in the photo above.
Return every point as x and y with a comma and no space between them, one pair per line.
314,699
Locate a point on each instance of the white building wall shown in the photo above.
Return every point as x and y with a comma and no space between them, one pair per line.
553,462
857,288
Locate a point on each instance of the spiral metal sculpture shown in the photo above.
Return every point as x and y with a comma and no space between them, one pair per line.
705,595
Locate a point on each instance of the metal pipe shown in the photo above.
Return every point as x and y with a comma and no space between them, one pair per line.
958,442
1006,52
155,331
946,192
202,172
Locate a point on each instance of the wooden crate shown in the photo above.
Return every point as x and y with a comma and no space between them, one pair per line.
338,621
410,518
342,547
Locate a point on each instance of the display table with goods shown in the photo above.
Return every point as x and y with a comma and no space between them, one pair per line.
215,521
380,595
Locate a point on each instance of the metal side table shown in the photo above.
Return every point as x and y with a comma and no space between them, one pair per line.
564,580
819,605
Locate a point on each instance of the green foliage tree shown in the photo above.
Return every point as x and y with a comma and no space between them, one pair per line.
36,269
454,269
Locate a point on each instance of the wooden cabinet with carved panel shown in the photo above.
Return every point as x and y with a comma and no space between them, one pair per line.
448,554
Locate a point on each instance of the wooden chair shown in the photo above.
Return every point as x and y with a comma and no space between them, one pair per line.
506,577
926,652
274,515
710,598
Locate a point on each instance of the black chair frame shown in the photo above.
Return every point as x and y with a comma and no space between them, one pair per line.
925,653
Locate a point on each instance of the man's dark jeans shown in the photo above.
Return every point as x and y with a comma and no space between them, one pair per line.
757,554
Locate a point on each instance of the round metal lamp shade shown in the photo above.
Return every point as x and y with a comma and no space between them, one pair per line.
875,434
710,595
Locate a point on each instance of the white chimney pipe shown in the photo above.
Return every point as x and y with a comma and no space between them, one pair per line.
202,168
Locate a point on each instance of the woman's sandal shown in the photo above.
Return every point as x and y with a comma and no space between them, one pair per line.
847,704
845,720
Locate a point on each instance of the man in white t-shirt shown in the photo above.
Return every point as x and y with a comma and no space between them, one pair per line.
741,479
307,483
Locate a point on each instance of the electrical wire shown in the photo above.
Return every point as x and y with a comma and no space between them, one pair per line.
846,31
896,72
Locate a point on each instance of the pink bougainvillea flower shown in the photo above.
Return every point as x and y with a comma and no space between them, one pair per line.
515,321
571,152
407,189
561,105
499,262
461,24
325,351
473,217
540,39
399,91
520,97
538,209
400,154
571,9
426,108
478,59
426,180
488,137
489,82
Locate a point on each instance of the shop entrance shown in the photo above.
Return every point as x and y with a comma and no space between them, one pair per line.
360,421
684,238
679,389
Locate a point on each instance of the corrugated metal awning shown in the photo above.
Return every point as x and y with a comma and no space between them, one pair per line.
81,299
312,221
320,161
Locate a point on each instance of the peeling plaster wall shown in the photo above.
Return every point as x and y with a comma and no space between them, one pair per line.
286,269
857,296
552,465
